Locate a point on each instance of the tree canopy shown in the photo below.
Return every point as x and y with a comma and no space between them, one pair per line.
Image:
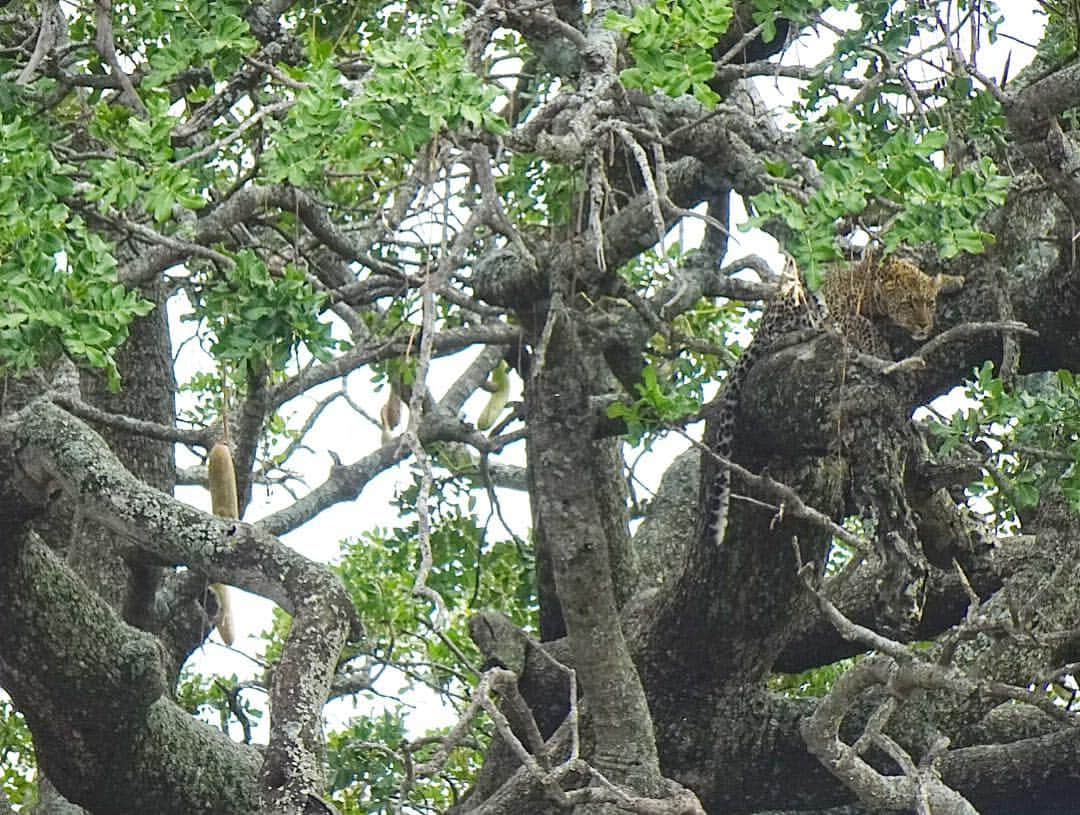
511,250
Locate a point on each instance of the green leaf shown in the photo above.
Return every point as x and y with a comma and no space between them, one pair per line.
1027,495
671,45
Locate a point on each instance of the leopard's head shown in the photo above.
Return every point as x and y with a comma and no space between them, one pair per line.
910,296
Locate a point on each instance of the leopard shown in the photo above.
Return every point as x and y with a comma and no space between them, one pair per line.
893,287
793,310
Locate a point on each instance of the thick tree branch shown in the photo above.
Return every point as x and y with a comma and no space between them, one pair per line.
569,507
445,342
202,437
93,688
59,457
1033,113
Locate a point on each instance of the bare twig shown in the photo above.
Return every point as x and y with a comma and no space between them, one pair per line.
791,503
957,332
49,30
103,42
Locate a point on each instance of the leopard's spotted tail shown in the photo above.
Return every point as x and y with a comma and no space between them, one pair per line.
792,310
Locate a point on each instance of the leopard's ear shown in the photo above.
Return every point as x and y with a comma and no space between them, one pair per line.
948,283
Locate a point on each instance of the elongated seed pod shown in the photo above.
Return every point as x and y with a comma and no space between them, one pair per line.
391,411
500,395
223,501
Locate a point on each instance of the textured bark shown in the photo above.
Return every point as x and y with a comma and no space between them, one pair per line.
133,750
569,479
709,625
135,745
145,365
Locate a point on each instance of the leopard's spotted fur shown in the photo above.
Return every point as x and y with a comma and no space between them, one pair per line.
792,310
892,287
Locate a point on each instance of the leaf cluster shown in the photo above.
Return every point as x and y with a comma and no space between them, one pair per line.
539,192
895,177
139,172
367,768
379,569
470,572
680,361
18,766
1028,436
213,698
58,287
662,403
671,44
364,778
879,44
212,35
416,88
814,683
258,316
766,13
1061,40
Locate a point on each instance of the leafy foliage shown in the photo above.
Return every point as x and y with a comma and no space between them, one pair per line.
58,288
685,357
671,42
379,568
930,175
658,407
368,772
815,682
141,172
1028,439
213,35
470,573
862,166
1062,39
418,87
767,12
365,779
259,316
17,762
219,699
539,192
